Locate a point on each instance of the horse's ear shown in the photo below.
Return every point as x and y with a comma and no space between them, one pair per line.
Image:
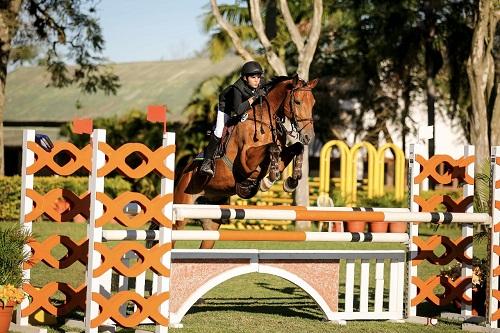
313,83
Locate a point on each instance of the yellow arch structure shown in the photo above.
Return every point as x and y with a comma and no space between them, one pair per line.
352,172
324,167
348,170
399,166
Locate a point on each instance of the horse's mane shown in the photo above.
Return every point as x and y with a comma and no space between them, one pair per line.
275,80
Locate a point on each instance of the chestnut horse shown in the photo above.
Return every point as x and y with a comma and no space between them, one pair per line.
256,150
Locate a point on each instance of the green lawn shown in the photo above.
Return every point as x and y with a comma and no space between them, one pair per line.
253,302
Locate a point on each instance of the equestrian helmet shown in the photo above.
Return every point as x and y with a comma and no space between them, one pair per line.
251,68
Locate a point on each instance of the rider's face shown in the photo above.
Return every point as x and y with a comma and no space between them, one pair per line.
253,80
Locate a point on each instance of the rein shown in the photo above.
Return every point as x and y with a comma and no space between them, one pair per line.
279,128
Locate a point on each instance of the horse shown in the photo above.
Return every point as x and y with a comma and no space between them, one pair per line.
256,150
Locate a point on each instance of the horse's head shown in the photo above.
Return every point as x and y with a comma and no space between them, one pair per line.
298,107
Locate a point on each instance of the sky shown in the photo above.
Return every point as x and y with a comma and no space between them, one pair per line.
152,30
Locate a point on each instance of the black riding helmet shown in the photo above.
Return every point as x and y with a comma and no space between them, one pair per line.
251,68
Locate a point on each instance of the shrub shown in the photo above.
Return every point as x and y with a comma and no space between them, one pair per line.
387,200
12,255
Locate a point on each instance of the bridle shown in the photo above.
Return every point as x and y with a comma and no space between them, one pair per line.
280,116
295,120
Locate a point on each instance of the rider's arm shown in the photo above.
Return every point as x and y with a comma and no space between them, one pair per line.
241,106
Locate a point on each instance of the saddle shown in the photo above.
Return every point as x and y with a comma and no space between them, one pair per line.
245,189
226,135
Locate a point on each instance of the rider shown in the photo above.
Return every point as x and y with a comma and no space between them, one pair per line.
234,100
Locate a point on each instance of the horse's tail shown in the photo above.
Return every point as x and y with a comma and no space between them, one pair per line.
181,180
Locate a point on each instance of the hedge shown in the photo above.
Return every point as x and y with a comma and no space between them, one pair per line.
10,196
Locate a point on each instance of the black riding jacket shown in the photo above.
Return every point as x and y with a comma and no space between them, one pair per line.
234,99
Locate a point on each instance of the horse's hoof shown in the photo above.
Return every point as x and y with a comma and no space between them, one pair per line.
265,184
290,184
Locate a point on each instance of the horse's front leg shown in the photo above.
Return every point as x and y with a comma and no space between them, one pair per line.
274,153
293,152
274,170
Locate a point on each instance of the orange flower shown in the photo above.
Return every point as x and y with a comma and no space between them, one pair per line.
9,293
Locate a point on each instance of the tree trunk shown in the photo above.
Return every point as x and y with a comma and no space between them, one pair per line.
433,63
9,11
479,119
484,89
302,191
405,113
431,111
306,49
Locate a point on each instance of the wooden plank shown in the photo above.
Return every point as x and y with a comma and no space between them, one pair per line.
393,287
379,285
364,285
401,282
349,285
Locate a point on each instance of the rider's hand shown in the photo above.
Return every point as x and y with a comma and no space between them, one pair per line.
44,142
259,92
243,117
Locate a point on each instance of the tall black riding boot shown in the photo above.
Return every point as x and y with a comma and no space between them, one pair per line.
207,167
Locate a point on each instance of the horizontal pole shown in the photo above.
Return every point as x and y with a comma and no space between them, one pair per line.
285,236
118,235
309,208
133,208
292,236
321,214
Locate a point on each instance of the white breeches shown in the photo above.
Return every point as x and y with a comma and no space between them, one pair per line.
222,119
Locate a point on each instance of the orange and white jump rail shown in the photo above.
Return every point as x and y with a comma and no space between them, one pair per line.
280,236
323,214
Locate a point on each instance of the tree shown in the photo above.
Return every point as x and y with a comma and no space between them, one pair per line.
304,31
64,31
484,79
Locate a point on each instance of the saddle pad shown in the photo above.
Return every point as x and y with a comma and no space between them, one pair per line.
226,135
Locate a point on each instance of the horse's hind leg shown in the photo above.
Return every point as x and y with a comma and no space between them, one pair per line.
212,225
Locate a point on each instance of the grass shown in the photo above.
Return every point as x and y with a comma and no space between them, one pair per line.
253,302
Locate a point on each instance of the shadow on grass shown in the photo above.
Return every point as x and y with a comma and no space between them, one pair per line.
302,307
430,310
285,290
